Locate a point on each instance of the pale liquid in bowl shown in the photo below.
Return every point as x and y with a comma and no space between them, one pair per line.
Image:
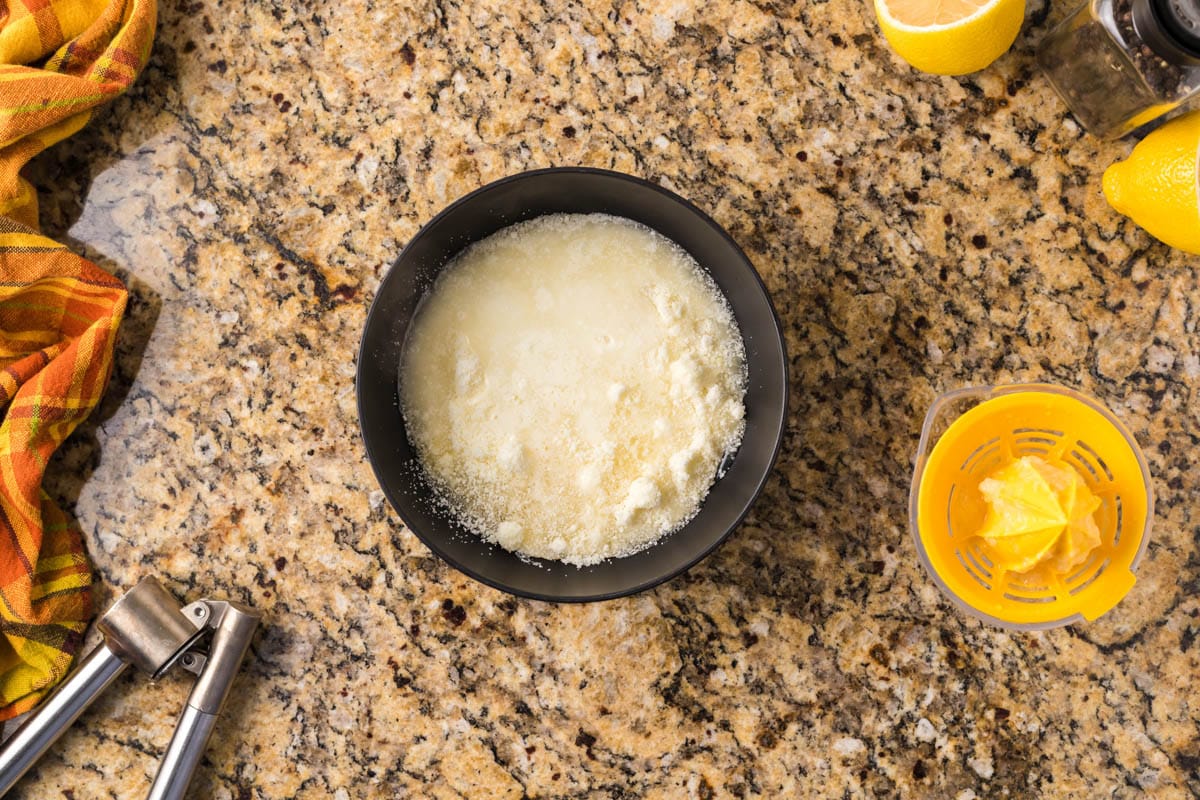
571,385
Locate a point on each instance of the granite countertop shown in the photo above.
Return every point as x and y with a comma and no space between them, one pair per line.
917,234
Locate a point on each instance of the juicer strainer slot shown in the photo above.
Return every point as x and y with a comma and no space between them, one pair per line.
976,452
1016,583
972,572
1030,591
1092,579
1088,564
1117,529
994,462
1086,464
1028,588
1046,440
949,512
975,556
1056,435
1029,598
1103,467
1034,441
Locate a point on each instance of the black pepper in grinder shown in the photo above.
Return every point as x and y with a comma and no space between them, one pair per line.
1121,63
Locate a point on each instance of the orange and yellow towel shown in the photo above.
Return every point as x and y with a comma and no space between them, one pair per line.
59,60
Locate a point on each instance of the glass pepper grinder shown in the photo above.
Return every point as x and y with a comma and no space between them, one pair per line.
1121,63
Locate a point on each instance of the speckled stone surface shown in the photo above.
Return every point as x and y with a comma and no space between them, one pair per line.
917,233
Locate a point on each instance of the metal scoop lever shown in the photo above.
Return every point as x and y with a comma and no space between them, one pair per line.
233,627
145,628
149,629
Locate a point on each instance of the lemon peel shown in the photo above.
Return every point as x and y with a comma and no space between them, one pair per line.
1040,514
950,37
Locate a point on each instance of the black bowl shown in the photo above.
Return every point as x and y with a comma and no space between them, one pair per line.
482,213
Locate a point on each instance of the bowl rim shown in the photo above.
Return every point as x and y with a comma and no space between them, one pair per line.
751,498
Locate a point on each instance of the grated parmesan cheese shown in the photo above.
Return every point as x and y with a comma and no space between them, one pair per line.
571,385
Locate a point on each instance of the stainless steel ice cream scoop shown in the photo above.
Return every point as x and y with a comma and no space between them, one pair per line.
149,629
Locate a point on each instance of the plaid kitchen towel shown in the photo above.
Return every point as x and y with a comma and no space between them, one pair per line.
59,60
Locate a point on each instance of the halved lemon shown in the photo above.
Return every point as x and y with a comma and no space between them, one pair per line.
950,37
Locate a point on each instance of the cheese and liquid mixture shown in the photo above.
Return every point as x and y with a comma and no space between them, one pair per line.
571,385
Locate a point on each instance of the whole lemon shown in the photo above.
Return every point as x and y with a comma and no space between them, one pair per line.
1158,186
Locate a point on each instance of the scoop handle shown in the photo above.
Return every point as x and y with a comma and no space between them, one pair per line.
183,754
234,628
55,715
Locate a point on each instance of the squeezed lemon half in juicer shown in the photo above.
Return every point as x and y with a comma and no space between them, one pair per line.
1039,516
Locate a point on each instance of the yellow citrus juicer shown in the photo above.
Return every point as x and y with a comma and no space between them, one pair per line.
967,435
